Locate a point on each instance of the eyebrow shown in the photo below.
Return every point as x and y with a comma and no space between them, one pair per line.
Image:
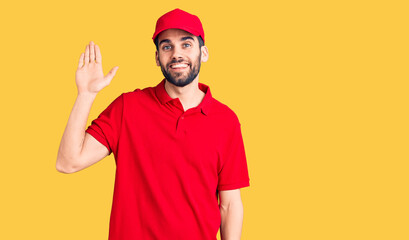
182,39
164,41
186,38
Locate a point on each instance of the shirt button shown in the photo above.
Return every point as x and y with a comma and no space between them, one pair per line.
182,118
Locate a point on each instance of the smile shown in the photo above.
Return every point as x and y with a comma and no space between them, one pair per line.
179,65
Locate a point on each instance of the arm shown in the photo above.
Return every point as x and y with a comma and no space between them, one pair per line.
78,149
231,211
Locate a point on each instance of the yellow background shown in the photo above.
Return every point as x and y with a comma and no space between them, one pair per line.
320,88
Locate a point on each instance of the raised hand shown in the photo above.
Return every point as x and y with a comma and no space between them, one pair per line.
89,76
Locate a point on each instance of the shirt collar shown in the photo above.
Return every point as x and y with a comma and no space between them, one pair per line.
204,106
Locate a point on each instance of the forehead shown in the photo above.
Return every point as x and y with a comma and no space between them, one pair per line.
174,34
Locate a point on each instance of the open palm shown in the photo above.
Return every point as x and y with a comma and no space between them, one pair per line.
89,76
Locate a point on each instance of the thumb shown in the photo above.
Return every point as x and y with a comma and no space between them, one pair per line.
111,74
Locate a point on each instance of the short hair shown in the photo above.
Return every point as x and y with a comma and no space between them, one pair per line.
199,38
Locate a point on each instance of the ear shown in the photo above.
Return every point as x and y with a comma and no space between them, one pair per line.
205,53
157,58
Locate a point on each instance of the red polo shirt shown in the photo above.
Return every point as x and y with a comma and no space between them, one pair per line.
170,164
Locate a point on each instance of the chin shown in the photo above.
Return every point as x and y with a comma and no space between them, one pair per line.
180,83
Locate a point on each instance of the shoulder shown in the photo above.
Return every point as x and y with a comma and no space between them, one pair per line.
139,94
226,124
224,113
139,91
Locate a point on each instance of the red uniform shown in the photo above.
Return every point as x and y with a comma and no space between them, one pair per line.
170,164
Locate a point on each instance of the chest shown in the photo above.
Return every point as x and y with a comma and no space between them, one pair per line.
175,142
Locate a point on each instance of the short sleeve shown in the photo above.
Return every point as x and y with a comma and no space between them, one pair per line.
107,126
234,172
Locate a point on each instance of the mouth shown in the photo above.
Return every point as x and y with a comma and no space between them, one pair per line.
179,66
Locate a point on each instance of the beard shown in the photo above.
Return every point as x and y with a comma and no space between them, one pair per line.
182,79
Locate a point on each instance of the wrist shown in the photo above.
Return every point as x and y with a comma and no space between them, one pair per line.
87,96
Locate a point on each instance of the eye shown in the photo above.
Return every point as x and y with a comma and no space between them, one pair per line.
166,47
187,45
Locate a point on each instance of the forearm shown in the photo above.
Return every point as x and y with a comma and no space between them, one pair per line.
231,221
73,137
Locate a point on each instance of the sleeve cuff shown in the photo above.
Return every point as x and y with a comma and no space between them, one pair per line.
234,186
99,138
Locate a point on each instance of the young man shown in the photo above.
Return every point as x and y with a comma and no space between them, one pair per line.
177,149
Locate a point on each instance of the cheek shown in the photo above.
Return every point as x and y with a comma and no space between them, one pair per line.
163,58
161,61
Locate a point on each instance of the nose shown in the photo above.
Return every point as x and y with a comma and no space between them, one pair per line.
177,53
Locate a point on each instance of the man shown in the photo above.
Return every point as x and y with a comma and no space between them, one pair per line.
177,149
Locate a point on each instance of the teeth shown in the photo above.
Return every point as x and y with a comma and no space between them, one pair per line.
178,66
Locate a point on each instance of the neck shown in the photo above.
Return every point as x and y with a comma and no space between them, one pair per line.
190,95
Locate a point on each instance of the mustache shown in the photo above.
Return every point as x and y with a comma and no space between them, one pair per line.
178,61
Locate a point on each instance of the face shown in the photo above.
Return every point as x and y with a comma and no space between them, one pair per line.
179,56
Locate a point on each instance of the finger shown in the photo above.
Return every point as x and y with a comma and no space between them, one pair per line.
81,61
111,74
92,52
86,59
98,57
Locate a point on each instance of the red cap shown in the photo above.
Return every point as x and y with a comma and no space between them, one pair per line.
181,20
